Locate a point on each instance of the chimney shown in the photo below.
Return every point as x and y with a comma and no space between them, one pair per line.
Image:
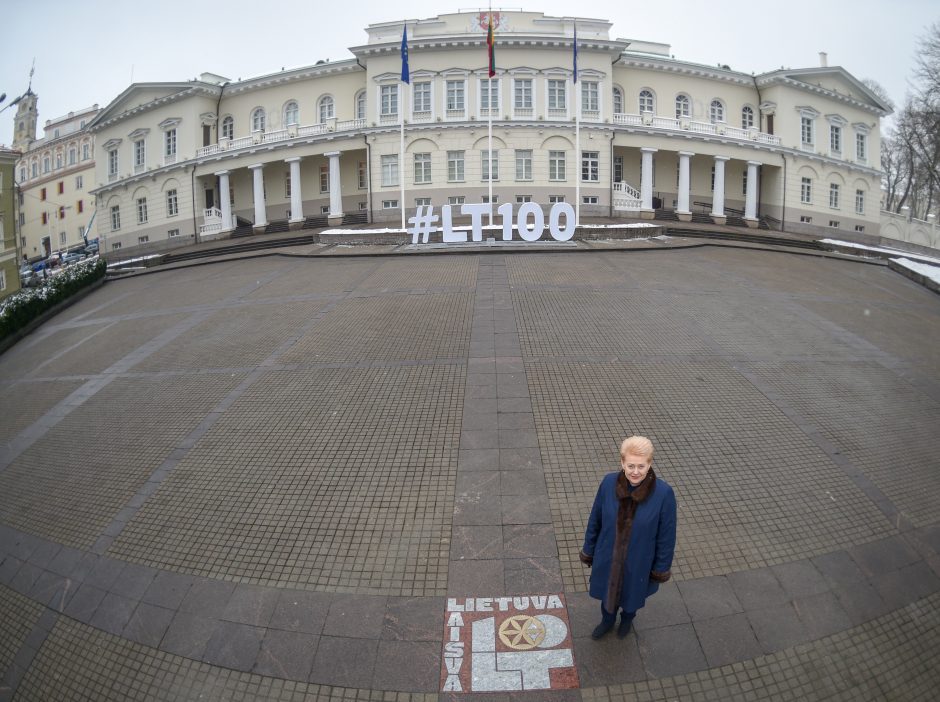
823,59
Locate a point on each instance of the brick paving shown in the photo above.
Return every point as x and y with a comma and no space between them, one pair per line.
260,478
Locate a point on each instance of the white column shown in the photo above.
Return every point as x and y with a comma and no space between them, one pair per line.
225,203
750,199
336,193
646,178
718,198
261,218
296,196
683,195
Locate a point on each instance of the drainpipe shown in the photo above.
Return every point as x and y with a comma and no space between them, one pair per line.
783,210
610,213
218,108
760,115
192,187
365,138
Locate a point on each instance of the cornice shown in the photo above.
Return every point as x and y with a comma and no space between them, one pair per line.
824,92
463,41
297,74
194,89
56,143
688,69
58,175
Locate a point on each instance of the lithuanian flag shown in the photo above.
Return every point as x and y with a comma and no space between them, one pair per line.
491,46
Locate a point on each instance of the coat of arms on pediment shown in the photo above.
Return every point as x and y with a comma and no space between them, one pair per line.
481,22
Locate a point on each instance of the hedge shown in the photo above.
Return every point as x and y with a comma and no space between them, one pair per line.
22,307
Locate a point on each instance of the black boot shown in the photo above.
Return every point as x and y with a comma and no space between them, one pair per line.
626,623
601,629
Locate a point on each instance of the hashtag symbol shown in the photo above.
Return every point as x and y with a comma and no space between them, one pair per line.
423,224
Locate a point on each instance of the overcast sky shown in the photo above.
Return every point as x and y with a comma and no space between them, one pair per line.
90,52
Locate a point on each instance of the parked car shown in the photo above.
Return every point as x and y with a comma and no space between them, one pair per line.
92,248
30,278
72,257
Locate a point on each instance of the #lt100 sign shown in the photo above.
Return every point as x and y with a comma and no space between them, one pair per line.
530,221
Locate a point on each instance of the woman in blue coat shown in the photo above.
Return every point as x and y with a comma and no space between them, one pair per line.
630,536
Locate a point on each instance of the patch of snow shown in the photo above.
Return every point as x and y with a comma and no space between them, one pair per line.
932,272
633,225
364,231
880,249
119,264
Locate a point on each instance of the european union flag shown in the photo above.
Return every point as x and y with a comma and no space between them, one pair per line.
576,52
405,75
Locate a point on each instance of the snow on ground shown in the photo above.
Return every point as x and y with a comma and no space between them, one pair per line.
931,272
118,264
881,249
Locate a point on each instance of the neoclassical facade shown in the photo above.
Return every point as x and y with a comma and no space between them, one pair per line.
55,174
322,143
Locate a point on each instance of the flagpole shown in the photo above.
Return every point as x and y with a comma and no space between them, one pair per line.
401,156
577,135
489,103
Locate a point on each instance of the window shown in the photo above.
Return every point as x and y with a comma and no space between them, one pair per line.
804,219
590,169
61,238
455,166
389,101
42,194
45,164
647,103
22,174
228,128
618,169
258,120
169,142
361,169
522,199
806,190
362,206
747,117
421,97
683,106
456,200
713,179
485,165
35,169
389,204
60,186
172,204
86,152
45,218
112,163
716,112
326,108
806,130
324,209
423,168
73,156
79,182
487,201
324,179
744,183
860,202
287,184
834,195
61,212
115,245
422,202
140,154
590,98
455,96
173,232
291,113
834,223
489,94
556,165
523,165
58,161
860,228
361,105
552,199
141,210
861,147
522,94
390,171
557,98
618,101
143,239
589,199
115,218
80,206
835,139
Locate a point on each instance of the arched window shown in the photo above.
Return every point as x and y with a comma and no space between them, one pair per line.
683,106
647,103
228,127
361,105
716,111
747,117
257,120
291,113
618,101
326,108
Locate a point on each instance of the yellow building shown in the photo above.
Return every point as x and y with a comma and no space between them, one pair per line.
9,276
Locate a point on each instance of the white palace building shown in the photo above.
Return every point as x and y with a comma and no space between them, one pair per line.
319,144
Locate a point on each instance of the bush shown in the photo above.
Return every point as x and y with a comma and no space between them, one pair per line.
22,307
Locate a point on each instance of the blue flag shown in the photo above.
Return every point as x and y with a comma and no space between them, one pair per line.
576,52
405,75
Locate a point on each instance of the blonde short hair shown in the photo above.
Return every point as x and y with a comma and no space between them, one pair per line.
638,446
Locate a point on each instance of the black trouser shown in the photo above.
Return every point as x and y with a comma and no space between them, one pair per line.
609,618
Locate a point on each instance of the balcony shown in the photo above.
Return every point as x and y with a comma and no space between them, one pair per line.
705,128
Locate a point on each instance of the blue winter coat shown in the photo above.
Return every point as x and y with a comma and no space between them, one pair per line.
652,541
